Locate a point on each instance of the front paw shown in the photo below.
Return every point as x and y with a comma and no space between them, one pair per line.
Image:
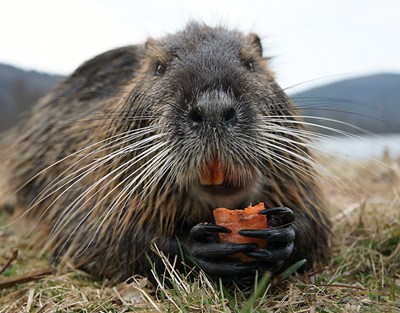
280,236
213,257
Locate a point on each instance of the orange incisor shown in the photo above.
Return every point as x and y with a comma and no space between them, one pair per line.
212,174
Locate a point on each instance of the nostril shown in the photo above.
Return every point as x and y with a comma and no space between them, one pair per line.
229,116
195,116
198,117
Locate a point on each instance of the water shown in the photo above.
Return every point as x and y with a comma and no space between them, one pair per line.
363,147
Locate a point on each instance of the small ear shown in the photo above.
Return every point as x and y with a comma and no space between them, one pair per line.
255,42
116,67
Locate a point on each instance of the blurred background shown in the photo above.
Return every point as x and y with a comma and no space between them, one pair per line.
338,59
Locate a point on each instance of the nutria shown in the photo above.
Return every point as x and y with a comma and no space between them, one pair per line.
141,143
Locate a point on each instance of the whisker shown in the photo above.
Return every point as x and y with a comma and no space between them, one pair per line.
127,136
35,201
133,181
114,174
283,119
149,171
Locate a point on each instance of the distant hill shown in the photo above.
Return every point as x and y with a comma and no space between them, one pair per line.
370,102
19,89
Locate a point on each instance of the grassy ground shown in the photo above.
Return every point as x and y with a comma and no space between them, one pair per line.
363,273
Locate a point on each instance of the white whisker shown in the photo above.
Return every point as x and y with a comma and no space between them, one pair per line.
113,175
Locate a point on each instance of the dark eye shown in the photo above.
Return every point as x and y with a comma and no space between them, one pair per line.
249,65
160,69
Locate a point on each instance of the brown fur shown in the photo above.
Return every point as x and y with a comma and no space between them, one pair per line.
91,218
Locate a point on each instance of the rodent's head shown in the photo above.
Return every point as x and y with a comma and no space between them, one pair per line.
220,122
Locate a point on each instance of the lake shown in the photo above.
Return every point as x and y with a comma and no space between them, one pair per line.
362,147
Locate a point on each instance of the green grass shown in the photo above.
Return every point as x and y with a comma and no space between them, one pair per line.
362,275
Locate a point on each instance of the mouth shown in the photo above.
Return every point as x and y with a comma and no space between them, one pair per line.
218,186
214,180
212,174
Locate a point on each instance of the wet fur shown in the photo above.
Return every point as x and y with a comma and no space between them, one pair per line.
108,164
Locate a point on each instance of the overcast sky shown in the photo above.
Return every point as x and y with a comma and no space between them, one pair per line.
312,41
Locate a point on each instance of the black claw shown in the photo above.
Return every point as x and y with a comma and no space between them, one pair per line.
271,234
203,231
209,228
278,216
272,255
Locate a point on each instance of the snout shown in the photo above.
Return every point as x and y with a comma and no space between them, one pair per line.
213,109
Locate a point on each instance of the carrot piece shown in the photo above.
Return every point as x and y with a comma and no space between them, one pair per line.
241,219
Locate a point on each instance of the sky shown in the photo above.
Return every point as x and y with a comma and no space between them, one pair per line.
312,42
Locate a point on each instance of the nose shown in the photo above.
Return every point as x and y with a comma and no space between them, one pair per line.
214,109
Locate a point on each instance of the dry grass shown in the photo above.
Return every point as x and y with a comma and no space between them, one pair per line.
363,273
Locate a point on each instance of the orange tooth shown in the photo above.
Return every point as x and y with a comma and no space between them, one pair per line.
212,174
205,180
206,175
218,174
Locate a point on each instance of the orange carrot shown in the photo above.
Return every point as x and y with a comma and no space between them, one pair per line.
241,219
